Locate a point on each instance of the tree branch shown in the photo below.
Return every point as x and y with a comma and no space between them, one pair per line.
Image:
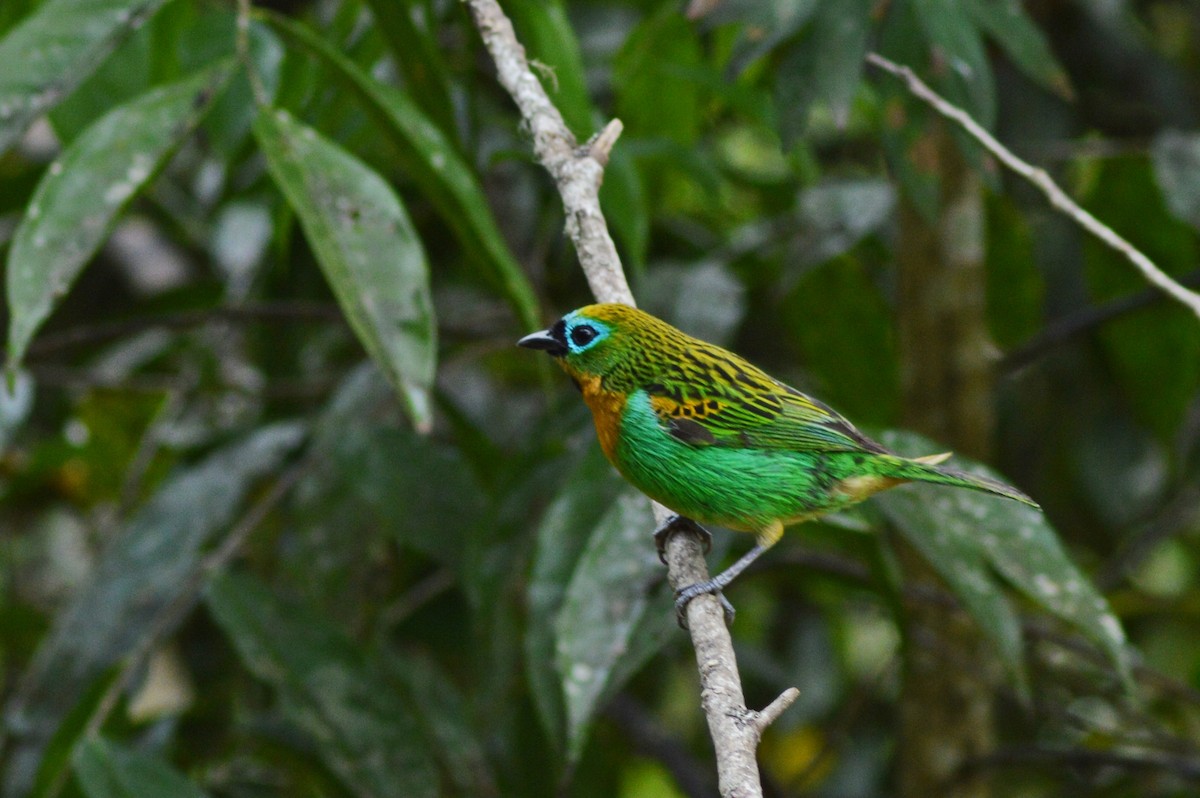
1182,766
1069,327
577,172
1042,180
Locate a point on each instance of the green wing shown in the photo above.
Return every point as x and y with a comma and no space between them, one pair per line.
712,397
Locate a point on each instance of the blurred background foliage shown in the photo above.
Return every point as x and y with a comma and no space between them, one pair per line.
285,513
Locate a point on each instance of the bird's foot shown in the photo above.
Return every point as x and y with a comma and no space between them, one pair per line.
677,523
684,596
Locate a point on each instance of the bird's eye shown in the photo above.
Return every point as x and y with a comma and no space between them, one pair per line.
583,335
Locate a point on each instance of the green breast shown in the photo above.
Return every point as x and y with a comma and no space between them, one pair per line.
739,488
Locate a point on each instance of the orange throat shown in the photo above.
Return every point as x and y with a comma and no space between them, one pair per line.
606,410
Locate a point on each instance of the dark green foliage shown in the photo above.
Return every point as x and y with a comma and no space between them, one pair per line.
238,283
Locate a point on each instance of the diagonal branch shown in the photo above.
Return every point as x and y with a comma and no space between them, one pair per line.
1065,329
578,172
1042,180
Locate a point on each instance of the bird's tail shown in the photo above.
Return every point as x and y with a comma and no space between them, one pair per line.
927,469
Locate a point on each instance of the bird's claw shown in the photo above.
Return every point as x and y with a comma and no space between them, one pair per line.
677,523
684,596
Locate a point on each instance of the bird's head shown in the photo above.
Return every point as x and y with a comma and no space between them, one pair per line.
590,341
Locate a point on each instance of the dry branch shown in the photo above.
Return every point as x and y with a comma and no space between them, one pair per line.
1042,180
578,172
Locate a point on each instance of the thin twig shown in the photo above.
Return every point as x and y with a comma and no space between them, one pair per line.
173,612
90,334
1178,514
170,615
649,738
771,712
418,596
843,567
577,172
1042,180
1062,330
148,447
56,376
1185,767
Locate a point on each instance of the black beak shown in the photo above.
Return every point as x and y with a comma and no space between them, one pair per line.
546,340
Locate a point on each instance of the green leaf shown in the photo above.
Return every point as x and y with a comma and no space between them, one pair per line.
1023,41
330,689
12,11
824,64
908,127
54,49
961,531
55,764
549,40
763,27
1015,286
413,489
590,489
1176,160
624,204
382,491
122,76
142,572
227,128
444,711
656,95
841,31
367,247
434,164
107,770
602,608
546,32
956,43
1154,352
83,193
949,546
841,322
411,35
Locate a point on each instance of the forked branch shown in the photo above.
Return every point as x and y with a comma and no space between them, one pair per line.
578,172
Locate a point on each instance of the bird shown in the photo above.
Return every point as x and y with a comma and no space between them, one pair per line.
719,441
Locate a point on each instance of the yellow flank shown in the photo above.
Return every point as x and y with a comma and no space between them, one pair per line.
860,487
769,535
857,488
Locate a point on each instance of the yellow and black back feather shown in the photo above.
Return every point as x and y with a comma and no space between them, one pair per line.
708,396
